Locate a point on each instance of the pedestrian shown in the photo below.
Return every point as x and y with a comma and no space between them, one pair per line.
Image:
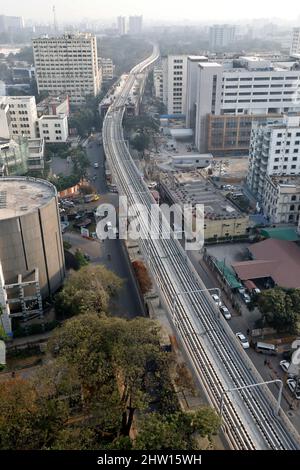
248,332
266,362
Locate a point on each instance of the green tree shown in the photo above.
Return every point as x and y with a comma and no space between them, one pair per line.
28,420
140,142
280,309
80,162
177,431
80,259
205,422
76,438
114,359
162,433
87,290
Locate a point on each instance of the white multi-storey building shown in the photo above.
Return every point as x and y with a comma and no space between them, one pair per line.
67,64
174,75
53,128
295,46
220,36
247,86
21,116
274,151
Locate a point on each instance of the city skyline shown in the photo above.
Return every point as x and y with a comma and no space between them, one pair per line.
231,11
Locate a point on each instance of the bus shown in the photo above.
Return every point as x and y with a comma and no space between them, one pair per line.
265,348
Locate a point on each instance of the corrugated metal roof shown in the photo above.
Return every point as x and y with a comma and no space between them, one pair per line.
277,259
281,233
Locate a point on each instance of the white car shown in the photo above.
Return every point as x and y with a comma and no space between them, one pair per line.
225,312
217,300
294,387
96,165
284,365
243,340
246,298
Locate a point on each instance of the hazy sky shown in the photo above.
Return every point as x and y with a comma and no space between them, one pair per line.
218,10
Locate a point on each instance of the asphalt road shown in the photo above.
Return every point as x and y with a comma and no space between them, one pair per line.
111,253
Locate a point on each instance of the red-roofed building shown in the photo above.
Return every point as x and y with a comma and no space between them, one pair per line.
274,260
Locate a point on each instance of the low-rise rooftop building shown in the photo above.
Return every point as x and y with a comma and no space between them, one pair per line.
222,220
277,262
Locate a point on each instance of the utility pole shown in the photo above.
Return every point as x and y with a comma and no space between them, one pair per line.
277,408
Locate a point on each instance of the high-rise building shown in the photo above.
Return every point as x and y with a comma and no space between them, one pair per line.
135,25
237,91
220,36
67,64
11,24
295,46
121,25
174,75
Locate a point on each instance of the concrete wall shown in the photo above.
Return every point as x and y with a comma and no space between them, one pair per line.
34,241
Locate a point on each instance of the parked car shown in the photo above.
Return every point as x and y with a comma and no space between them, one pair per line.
96,165
217,300
294,387
225,312
246,297
243,340
284,365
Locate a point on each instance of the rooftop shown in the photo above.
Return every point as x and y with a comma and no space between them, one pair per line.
19,196
209,64
277,259
52,118
281,233
189,188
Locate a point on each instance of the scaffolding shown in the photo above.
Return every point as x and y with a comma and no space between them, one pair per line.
26,299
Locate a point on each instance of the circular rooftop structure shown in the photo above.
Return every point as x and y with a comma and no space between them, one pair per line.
20,196
30,232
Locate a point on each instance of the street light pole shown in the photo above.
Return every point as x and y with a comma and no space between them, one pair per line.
252,386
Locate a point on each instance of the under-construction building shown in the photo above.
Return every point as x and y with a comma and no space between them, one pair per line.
32,264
